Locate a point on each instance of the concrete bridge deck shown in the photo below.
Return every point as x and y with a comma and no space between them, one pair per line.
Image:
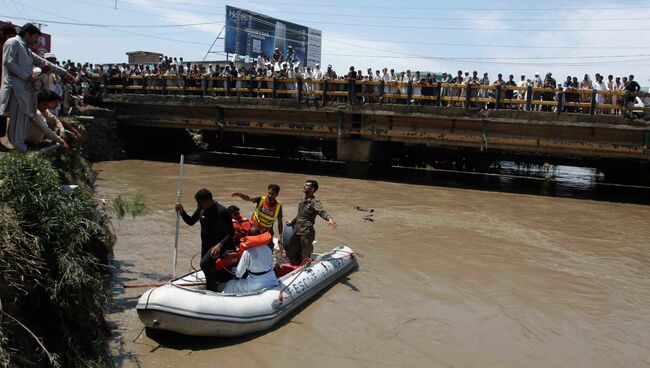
361,131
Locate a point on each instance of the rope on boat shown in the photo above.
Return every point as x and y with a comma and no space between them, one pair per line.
192,262
308,261
305,262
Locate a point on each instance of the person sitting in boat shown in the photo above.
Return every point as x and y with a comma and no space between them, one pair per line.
216,233
255,269
241,224
268,210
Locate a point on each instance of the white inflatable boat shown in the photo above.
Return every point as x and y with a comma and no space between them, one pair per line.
192,310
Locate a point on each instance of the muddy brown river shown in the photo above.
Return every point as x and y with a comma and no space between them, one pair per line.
451,277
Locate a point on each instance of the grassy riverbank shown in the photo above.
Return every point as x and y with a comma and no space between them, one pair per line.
54,251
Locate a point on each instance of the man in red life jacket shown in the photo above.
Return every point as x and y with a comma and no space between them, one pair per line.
267,212
241,224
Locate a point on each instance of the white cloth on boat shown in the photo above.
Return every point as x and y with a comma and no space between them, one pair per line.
258,259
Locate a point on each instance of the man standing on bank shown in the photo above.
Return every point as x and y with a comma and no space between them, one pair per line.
267,211
16,98
216,233
6,32
302,246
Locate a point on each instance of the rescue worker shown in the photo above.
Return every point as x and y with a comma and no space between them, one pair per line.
241,224
267,212
254,271
302,246
216,233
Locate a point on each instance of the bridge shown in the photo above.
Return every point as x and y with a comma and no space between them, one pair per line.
366,125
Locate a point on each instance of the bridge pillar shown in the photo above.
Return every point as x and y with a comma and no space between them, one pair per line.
354,150
357,155
361,156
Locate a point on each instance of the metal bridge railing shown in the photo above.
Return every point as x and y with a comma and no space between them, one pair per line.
468,96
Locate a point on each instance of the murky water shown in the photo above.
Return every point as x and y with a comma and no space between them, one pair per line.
451,277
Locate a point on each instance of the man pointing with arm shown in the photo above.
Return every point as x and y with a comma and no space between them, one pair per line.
267,212
16,98
304,234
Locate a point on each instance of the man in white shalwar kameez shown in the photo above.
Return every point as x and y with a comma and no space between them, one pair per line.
258,263
317,77
599,85
308,85
16,98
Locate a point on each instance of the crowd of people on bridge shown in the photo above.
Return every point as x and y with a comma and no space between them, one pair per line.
77,83
174,72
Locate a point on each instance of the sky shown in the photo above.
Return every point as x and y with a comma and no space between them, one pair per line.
508,37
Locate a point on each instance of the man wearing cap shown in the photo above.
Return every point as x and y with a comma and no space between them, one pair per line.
48,78
17,97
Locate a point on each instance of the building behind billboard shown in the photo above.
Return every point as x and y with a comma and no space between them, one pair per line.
250,34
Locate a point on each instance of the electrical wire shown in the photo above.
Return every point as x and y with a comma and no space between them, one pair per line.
491,45
400,56
466,45
483,61
18,10
349,6
22,6
6,6
339,15
391,53
453,28
112,25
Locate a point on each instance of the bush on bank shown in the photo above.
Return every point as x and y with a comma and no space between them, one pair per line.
53,263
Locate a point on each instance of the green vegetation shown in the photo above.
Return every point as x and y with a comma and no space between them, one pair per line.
54,255
135,206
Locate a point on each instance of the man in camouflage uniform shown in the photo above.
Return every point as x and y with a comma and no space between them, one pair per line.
301,245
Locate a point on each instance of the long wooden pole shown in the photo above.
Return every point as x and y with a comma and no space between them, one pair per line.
161,284
178,215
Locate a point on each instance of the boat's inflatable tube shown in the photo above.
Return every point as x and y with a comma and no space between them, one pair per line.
192,310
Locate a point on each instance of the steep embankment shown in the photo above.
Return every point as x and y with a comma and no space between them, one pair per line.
54,248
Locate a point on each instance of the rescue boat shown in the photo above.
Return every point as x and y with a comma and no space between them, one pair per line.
185,307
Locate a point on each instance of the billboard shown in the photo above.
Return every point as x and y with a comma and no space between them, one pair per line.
250,34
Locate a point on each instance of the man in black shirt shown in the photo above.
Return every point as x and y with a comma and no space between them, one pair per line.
633,87
216,233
